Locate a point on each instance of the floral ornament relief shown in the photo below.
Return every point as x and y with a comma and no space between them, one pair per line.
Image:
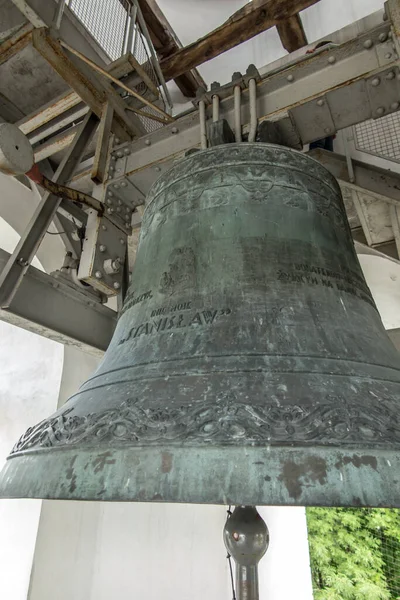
224,421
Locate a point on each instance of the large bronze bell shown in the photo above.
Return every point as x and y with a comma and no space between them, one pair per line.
249,365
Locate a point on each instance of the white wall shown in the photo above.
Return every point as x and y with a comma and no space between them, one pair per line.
30,375
383,279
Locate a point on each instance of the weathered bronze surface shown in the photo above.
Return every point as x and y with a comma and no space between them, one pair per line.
249,365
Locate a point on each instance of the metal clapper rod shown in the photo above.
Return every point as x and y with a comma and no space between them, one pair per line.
246,539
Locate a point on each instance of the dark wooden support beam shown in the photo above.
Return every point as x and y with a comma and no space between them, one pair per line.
167,43
292,33
252,19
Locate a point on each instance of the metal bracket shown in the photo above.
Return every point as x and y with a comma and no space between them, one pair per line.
103,255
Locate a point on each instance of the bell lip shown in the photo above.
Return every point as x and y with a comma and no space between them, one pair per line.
240,144
281,476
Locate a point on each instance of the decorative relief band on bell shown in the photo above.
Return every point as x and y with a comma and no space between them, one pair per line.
224,421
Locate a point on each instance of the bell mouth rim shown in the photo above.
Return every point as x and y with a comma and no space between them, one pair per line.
275,475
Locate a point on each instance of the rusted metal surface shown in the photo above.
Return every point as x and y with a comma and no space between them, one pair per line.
56,144
167,117
233,378
15,43
52,110
92,91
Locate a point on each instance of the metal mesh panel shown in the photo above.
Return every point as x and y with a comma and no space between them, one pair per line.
149,124
380,137
142,55
105,20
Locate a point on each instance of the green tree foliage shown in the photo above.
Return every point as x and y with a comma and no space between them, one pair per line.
355,553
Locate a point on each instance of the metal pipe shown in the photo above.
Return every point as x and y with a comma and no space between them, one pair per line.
203,130
215,108
124,39
58,14
253,110
155,62
132,28
237,116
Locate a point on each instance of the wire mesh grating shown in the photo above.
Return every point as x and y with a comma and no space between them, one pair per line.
380,137
106,21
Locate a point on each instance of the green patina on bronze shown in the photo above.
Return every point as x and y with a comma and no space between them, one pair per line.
249,365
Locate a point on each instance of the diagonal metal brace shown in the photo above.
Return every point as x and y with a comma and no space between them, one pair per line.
29,243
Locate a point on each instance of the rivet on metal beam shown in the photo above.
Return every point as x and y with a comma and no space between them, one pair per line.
116,285
174,130
383,37
388,55
332,60
327,130
368,44
158,169
390,75
290,78
380,111
375,82
124,184
104,228
320,102
127,151
120,154
395,105
102,248
98,274
110,211
147,142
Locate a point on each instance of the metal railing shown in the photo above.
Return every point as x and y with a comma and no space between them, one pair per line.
118,27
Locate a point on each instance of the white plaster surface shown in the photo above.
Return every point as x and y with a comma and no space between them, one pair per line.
30,373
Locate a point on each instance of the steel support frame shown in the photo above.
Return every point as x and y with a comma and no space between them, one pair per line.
26,249
311,97
52,308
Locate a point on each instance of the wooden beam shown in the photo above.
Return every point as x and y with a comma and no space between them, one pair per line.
166,43
252,19
292,33
53,109
15,43
93,91
99,174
